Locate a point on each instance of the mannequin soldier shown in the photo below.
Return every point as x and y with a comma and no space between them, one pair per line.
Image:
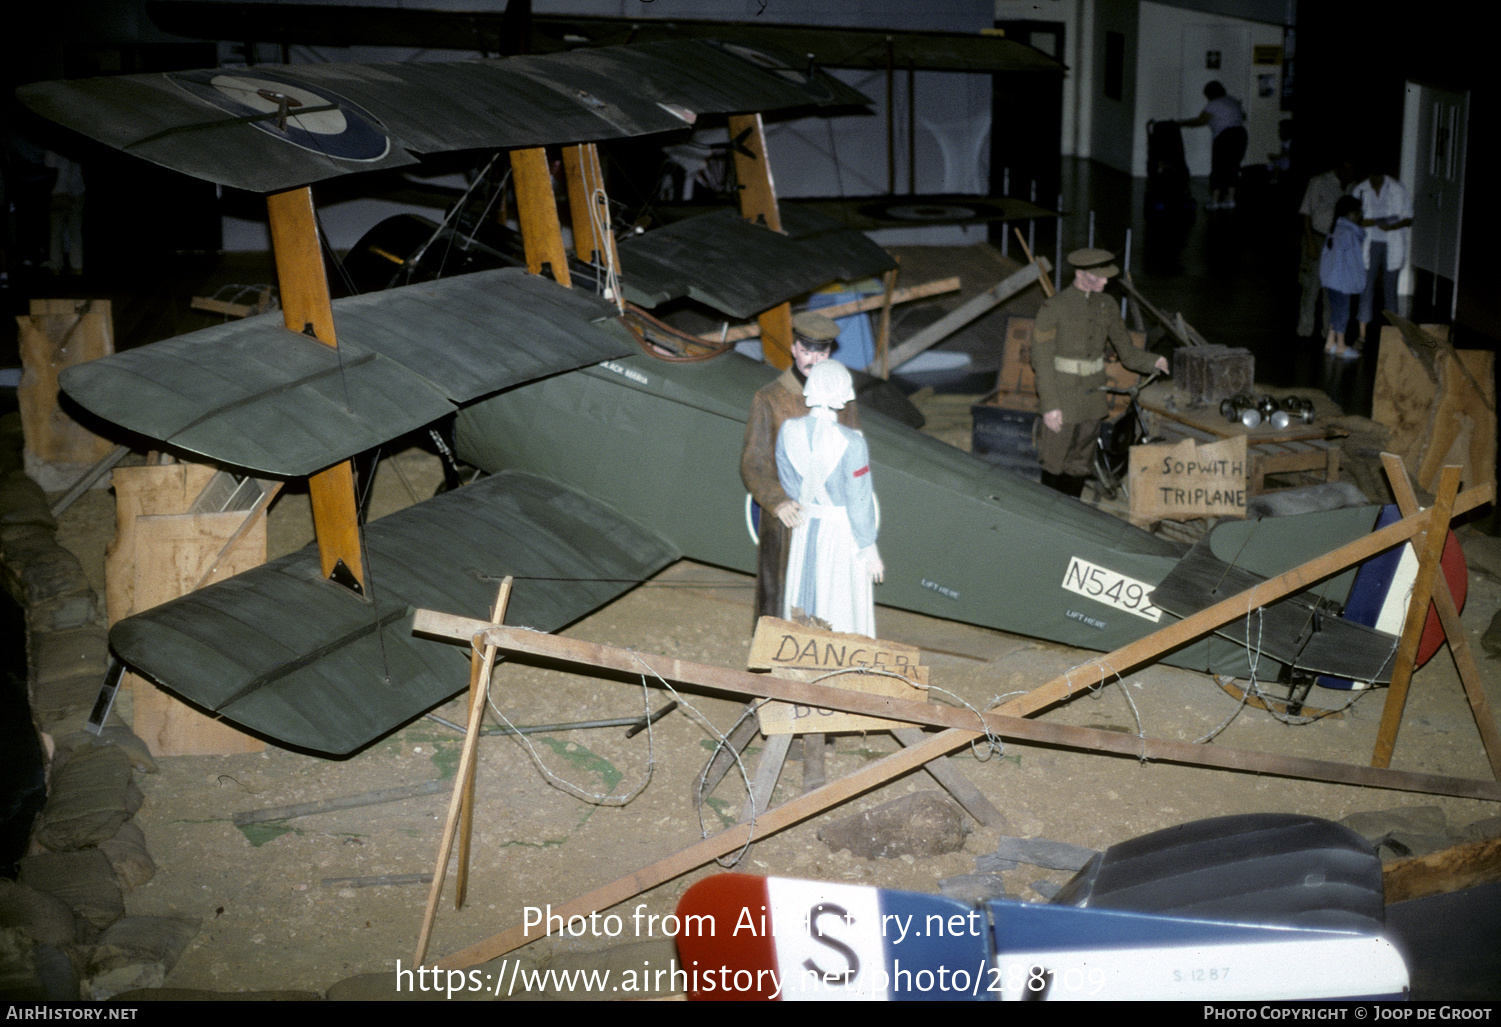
1068,360
813,340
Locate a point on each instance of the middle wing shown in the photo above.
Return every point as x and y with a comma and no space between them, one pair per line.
252,394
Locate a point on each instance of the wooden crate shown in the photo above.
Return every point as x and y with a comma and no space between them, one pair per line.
159,552
1439,403
56,335
1207,374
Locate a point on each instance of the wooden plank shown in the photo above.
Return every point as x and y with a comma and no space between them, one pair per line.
764,779
217,306
814,774
1007,722
813,802
1448,614
306,308
1464,423
1172,324
957,319
862,305
952,780
1417,616
537,213
1042,278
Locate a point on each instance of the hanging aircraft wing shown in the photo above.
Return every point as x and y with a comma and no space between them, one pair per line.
489,30
276,127
691,258
253,394
283,652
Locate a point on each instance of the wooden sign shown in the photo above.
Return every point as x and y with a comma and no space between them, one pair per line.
1183,481
790,650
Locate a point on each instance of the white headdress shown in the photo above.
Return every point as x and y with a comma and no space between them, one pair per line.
829,385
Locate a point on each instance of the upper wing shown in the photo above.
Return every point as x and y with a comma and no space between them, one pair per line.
285,653
253,394
829,47
275,127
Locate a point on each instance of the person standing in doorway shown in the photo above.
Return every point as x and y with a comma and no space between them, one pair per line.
1387,210
1317,211
1342,270
1227,126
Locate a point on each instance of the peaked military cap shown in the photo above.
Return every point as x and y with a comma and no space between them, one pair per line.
1096,262
814,329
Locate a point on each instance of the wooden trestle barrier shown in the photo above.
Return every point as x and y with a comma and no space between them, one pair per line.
962,726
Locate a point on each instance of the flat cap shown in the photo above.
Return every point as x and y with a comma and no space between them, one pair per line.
1096,262
814,328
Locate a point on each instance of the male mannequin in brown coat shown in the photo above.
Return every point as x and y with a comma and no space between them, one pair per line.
814,337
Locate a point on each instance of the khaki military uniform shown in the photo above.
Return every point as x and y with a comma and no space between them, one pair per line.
779,401
1068,361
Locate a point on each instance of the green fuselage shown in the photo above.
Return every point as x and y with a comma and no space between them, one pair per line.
660,443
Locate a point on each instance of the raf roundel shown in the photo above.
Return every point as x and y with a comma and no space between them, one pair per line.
275,103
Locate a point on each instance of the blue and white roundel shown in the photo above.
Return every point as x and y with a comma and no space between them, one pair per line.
345,131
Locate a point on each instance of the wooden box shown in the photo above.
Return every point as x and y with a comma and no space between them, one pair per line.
1209,374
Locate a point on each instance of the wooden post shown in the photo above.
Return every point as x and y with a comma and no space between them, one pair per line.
883,332
1430,584
479,683
1417,616
1448,615
758,202
588,207
537,210
462,793
307,308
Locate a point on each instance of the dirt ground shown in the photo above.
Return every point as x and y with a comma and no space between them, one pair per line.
278,911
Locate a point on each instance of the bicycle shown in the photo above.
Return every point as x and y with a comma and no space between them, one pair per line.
1112,455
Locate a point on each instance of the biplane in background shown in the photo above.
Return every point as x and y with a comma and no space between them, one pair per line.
608,459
